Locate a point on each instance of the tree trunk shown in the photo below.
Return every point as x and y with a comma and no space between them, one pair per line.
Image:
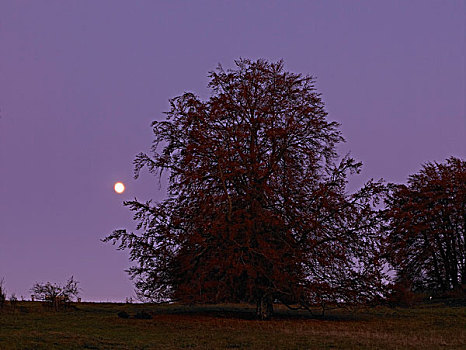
264,307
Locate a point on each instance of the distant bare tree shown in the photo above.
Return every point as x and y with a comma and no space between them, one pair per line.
2,293
54,294
13,301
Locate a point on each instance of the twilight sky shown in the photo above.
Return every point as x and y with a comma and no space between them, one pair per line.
80,82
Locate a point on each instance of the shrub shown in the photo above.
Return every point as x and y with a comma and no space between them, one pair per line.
143,315
55,295
123,314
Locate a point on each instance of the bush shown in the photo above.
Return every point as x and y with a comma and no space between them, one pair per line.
54,295
143,315
402,294
123,314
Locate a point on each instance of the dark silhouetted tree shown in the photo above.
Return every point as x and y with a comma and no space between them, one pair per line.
426,227
257,208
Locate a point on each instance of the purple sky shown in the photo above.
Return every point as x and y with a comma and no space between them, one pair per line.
80,82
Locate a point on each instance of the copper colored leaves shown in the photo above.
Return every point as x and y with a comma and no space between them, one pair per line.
257,208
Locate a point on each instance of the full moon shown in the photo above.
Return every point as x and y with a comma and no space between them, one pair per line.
119,187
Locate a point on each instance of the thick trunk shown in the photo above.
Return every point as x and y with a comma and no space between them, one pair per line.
264,308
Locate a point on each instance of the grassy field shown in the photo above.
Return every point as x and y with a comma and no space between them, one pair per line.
97,326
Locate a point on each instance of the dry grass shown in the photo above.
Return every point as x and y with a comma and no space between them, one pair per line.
97,326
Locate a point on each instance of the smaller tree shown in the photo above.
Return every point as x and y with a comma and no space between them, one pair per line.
55,295
426,228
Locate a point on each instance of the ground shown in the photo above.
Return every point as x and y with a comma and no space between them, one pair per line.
97,326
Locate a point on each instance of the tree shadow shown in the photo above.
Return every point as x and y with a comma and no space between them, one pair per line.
248,312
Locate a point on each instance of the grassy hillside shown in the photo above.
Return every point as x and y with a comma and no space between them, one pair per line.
97,326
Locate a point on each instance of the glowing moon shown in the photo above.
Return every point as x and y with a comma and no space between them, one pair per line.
119,187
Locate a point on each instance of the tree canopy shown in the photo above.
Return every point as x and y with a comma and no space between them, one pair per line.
257,208
426,227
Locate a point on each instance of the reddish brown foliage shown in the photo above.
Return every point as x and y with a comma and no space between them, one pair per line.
426,227
257,207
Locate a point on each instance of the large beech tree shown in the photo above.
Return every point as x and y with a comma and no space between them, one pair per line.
257,209
426,227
